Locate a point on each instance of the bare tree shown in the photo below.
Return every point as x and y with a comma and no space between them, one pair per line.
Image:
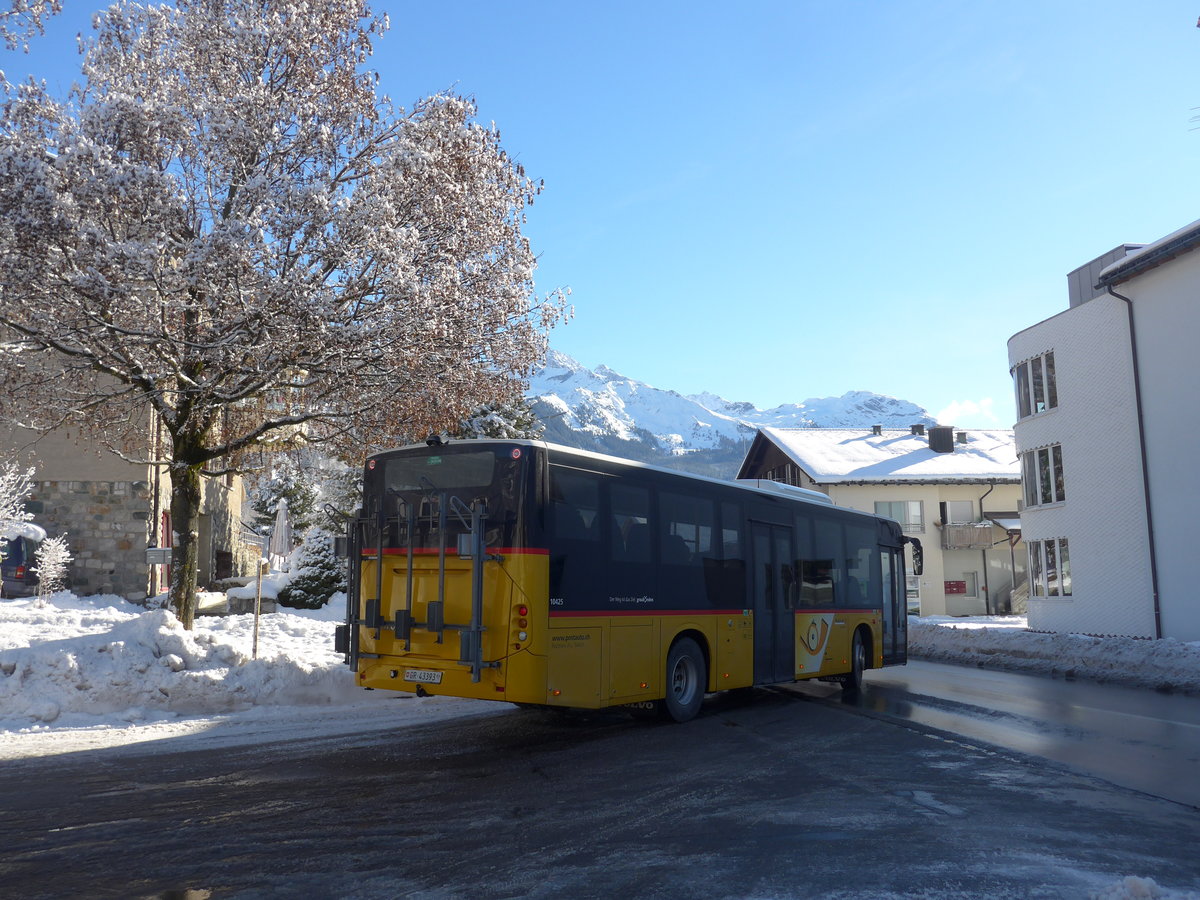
226,233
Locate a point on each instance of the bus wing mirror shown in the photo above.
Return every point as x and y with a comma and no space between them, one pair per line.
341,546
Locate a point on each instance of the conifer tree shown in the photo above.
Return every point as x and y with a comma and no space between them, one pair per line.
320,575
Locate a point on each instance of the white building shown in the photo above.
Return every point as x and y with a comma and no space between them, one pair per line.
955,491
1108,397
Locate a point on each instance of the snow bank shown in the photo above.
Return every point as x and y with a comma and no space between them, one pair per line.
1133,888
1005,643
73,660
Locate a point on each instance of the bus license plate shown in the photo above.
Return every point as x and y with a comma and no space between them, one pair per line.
423,676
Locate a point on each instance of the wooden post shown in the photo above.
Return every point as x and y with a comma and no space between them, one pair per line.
257,606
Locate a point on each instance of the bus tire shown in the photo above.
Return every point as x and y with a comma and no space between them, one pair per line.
687,677
852,683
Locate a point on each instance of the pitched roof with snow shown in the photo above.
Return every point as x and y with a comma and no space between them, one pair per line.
1163,250
856,455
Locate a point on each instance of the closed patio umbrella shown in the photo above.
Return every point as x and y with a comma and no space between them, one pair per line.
280,544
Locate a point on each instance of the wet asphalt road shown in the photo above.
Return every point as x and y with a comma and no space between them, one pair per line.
769,794
1136,738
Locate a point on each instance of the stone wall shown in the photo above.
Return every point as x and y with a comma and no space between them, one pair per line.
107,524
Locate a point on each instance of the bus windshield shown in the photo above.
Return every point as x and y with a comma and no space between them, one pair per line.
428,492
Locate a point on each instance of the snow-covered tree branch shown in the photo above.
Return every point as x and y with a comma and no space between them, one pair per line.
225,225
22,19
51,561
15,521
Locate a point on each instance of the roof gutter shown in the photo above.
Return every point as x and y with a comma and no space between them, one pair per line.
1141,428
1140,262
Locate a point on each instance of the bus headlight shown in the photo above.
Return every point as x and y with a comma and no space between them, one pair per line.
522,635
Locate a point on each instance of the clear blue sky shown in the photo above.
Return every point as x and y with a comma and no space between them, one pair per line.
781,200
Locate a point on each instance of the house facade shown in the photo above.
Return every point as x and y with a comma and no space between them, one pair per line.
113,510
1108,402
955,491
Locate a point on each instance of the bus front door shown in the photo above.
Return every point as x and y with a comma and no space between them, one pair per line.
895,607
774,617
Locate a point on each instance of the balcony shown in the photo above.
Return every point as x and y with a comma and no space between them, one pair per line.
967,536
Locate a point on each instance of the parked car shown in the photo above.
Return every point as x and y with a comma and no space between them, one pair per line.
16,567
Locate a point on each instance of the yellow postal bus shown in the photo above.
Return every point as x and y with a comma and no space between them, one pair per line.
541,575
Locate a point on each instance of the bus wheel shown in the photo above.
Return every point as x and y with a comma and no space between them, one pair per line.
852,683
686,680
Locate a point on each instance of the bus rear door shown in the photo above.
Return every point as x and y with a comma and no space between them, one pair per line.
771,589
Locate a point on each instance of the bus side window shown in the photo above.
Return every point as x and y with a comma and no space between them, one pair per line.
817,582
574,505
630,523
825,567
731,531
863,576
687,528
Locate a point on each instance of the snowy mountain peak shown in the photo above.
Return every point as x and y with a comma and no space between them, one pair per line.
600,409
607,374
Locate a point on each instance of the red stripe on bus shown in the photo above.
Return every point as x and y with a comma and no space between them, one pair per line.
838,611
433,551
607,613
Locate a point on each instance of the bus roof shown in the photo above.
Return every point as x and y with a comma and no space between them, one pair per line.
757,485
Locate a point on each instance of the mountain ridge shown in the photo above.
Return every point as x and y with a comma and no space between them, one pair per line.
602,410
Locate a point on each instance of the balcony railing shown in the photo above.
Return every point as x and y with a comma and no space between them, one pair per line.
967,536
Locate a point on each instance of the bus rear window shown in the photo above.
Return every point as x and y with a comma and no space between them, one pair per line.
442,472
424,496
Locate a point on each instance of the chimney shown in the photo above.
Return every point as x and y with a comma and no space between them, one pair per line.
877,430
941,439
918,429
961,436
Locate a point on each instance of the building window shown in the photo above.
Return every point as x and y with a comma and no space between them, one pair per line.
909,513
1050,568
912,587
1042,476
1037,390
972,582
787,473
958,512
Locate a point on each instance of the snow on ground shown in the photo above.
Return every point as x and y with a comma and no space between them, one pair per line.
1003,642
98,671
84,673
87,673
